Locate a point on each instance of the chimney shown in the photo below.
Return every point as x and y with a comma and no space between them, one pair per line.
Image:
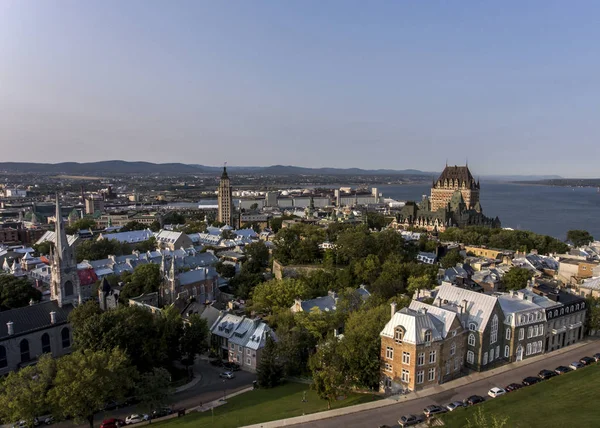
9,326
393,306
53,317
464,306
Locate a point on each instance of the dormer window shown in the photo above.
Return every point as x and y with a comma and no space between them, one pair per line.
428,336
472,326
399,334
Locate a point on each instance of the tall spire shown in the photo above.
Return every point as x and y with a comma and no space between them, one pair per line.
224,175
59,230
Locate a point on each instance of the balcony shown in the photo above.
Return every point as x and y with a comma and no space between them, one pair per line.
559,330
576,325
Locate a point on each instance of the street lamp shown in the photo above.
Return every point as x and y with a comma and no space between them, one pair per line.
224,390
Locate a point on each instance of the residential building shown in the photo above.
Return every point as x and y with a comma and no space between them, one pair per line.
589,287
325,303
94,203
427,258
572,271
200,283
225,200
172,240
240,339
131,237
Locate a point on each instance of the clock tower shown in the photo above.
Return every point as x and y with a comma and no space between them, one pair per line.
64,285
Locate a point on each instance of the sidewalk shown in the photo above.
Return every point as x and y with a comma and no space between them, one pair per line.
216,403
395,399
197,378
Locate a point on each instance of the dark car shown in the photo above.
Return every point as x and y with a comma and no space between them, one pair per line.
111,405
409,420
513,387
586,361
596,357
546,374
475,399
159,413
530,380
562,370
231,366
434,410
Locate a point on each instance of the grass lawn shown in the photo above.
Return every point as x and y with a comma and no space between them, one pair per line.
264,405
568,400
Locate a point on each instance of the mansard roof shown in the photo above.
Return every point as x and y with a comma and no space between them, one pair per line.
460,173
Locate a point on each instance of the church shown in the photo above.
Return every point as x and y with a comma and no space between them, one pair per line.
43,328
454,202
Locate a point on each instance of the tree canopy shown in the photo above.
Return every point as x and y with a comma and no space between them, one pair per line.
452,258
579,238
516,278
277,294
269,370
16,292
145,279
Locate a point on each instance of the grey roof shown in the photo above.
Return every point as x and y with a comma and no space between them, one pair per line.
446,317
129,237
415,324
242,331
592,284
197,275
31,318
324,304
512,303
479,305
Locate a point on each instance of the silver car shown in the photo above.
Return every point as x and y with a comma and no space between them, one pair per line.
455,405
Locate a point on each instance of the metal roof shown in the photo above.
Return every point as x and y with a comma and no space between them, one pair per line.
31,318
479,305
415,324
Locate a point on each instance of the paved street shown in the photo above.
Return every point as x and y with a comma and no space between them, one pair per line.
389,415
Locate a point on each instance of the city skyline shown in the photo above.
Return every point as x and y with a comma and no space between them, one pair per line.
509,86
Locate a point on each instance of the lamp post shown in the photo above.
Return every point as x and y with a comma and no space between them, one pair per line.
224,390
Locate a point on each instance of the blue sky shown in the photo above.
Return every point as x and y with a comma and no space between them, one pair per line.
512,86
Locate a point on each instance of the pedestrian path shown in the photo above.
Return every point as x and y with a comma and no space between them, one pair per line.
395,399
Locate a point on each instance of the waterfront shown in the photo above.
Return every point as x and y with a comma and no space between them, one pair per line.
547,210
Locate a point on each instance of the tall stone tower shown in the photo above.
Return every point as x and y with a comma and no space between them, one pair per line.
64,285
452,179
225,200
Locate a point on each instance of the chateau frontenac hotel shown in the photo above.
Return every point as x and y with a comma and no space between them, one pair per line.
454,202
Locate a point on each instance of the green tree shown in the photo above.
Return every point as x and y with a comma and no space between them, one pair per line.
368,269
195,338
355,244
43,248
452,258
328,371
254,206
23,394
86,380
593,315
258,257
155,226
170,330
269,370
145,279
132,225
96,250
418,283
153,389
81,224
277,294
579,238
516,278
225,269
16,292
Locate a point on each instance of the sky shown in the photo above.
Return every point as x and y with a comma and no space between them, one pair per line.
511,86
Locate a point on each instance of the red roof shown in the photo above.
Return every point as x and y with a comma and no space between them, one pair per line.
87,276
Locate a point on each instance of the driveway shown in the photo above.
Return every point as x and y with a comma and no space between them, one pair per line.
389,415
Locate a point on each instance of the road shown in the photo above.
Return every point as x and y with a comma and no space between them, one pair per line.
389,415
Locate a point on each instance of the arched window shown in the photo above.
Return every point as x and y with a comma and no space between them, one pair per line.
485,358
46,349
66,338
506,351
453,348
577,306
3,361
471,339
492,354
549,314
68,288
582,305
470,357
428,336
399,334
555,312
494,334
528,351
567,310
24,346
472,326
529,332
508,333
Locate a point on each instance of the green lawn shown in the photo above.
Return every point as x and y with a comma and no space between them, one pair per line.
569,400
264,405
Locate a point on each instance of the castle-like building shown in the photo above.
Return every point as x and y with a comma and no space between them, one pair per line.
225,200
454,202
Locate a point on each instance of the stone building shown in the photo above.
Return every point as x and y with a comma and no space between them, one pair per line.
455,179
225,200
201,283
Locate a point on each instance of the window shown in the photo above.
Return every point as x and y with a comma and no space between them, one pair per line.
68,288
521,333
239,348
427,336
529,332
472,326
456,364
399,335
453,333
582,305
534,348
232,346
470,357
247,351
494,334
562,311
536,331
539,346
491,354
46,344
448,366
506,351
389,353
421,359
549,314
522,319
471,339
453,348
431,374
577,306
405,358
388,382
567,309
66,338
528,349
388,367
432,356
420,376
405,375
24,346
541,329
497,351
485,359
508,333
3,361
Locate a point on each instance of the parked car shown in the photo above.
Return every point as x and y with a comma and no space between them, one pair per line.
496,392
159,413
546,374
135,418
434,409
575,365
513,387
455,405
562,370
49,420
111,405
112,423
475,399
227,375
530,380
596,357
409,420
586,361
231,366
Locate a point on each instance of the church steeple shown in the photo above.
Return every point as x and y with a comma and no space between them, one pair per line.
61,234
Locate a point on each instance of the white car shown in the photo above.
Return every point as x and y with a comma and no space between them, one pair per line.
496,392
135,418
576,365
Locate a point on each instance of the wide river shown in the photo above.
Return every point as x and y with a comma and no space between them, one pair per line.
547,210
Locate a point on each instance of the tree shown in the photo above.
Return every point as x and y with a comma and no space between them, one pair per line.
43,248
277,294
16,292
155,226
269,370
195,338
593,315
579,238
132,225
170,328
23,394
258,257
368,269
254,206
516,278
482,420
452,258
81,224
225,269
145,279
328,374
153,389
86,380
418,283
